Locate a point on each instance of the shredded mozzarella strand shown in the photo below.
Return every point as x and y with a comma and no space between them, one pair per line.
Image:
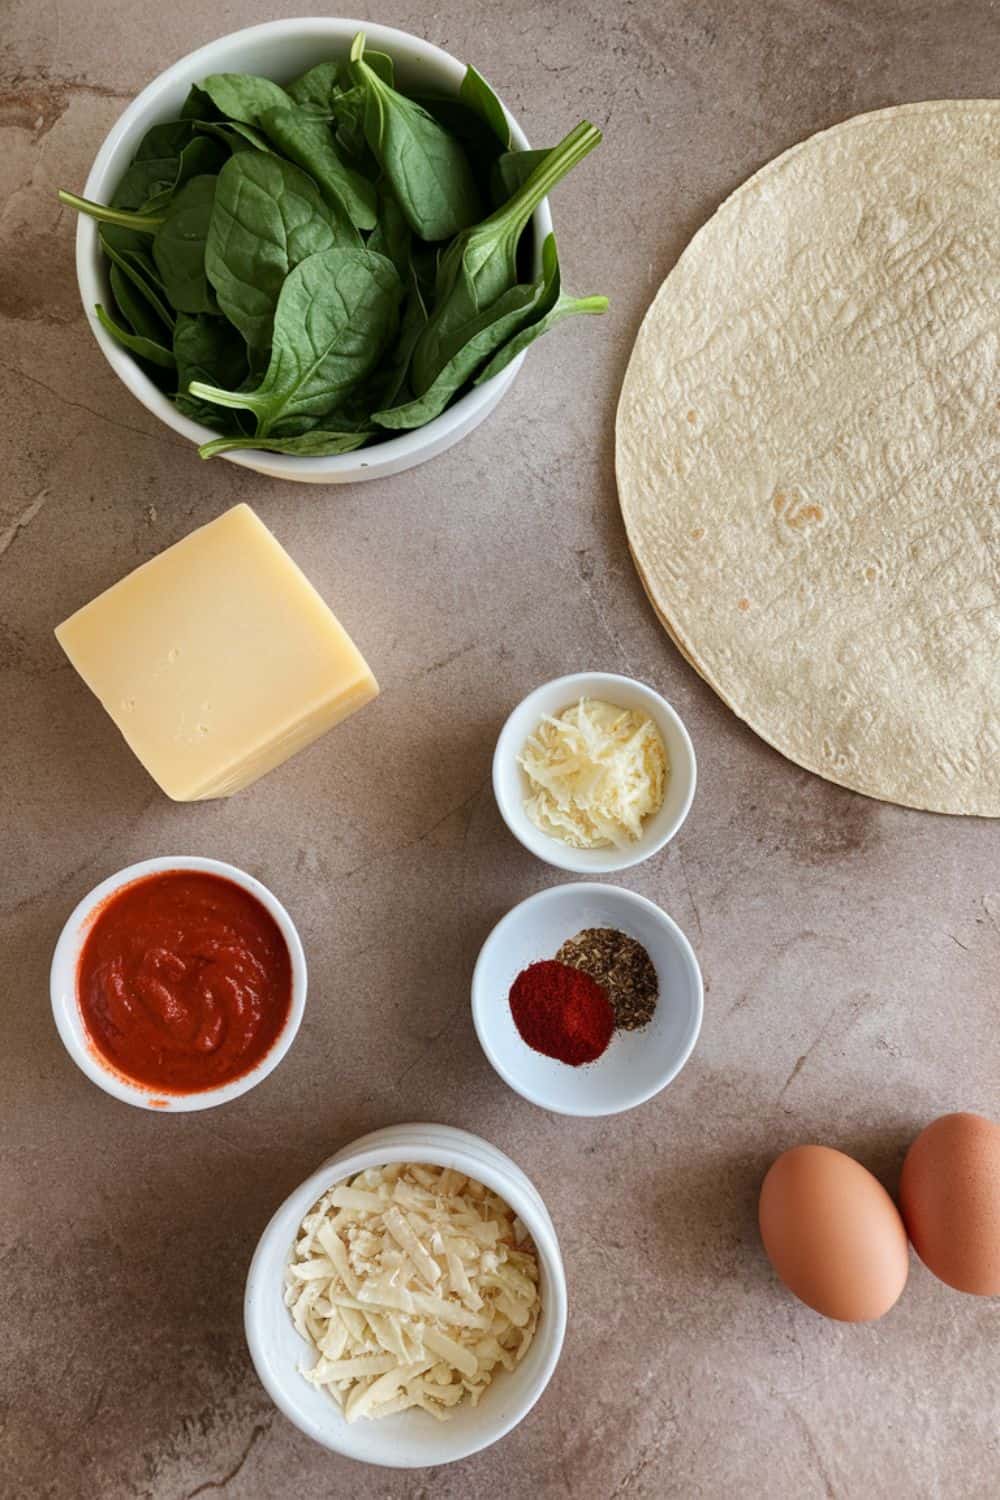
595,771
414,1285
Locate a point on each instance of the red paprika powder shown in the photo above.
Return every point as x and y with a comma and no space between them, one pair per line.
562,1012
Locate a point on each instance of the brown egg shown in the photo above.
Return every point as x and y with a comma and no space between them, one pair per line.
833,1234
950,1196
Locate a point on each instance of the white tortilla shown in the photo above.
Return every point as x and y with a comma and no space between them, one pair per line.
808,454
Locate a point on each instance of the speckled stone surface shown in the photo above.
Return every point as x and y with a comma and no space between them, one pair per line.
851,950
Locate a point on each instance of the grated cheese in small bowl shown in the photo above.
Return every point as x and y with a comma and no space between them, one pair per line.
595,772
415,1285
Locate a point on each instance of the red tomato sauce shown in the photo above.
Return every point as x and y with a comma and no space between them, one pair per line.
184,981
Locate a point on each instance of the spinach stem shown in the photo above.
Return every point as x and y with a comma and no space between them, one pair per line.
142,223
516,212
223,444
241,400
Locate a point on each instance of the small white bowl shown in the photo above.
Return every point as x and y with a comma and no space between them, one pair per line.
280,50
637,1064
511,788
66,1008
411,1439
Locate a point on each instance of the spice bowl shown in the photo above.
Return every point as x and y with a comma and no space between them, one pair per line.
636,1064
511,787
409,1439
69,1018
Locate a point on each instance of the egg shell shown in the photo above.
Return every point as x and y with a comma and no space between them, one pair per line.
950,1196
833,1234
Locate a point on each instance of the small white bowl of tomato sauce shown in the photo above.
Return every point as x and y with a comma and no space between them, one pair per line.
178,983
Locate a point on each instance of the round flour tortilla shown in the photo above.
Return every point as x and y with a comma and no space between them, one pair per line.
808,454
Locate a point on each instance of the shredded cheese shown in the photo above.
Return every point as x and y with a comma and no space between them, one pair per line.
414,1285
595,771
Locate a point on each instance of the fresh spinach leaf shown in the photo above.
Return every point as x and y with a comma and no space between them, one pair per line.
179,247
201,157
349,125
244,96
382,64
474,135
385,385
144,181
424,260
268,217
155,166
511,171
336,315
314,89
395,373
480,264
131,253
477,94
348,113
198,106
426,167
566,307
142,348
136,309
392,235
208,349
348,106
173,153
236,136
483,337
165,142
560,305
308,142
317,443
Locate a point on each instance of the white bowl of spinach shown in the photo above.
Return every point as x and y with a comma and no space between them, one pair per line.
321,252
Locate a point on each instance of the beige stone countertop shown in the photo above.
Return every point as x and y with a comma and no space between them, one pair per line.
851,950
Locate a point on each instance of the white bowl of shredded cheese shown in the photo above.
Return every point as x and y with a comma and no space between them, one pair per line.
511,1290
594,751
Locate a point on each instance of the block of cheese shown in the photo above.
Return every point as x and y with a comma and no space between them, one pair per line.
217,660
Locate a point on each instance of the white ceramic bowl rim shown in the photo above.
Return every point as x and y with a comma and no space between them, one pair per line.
389,456
437,1145
510,785
66,1009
